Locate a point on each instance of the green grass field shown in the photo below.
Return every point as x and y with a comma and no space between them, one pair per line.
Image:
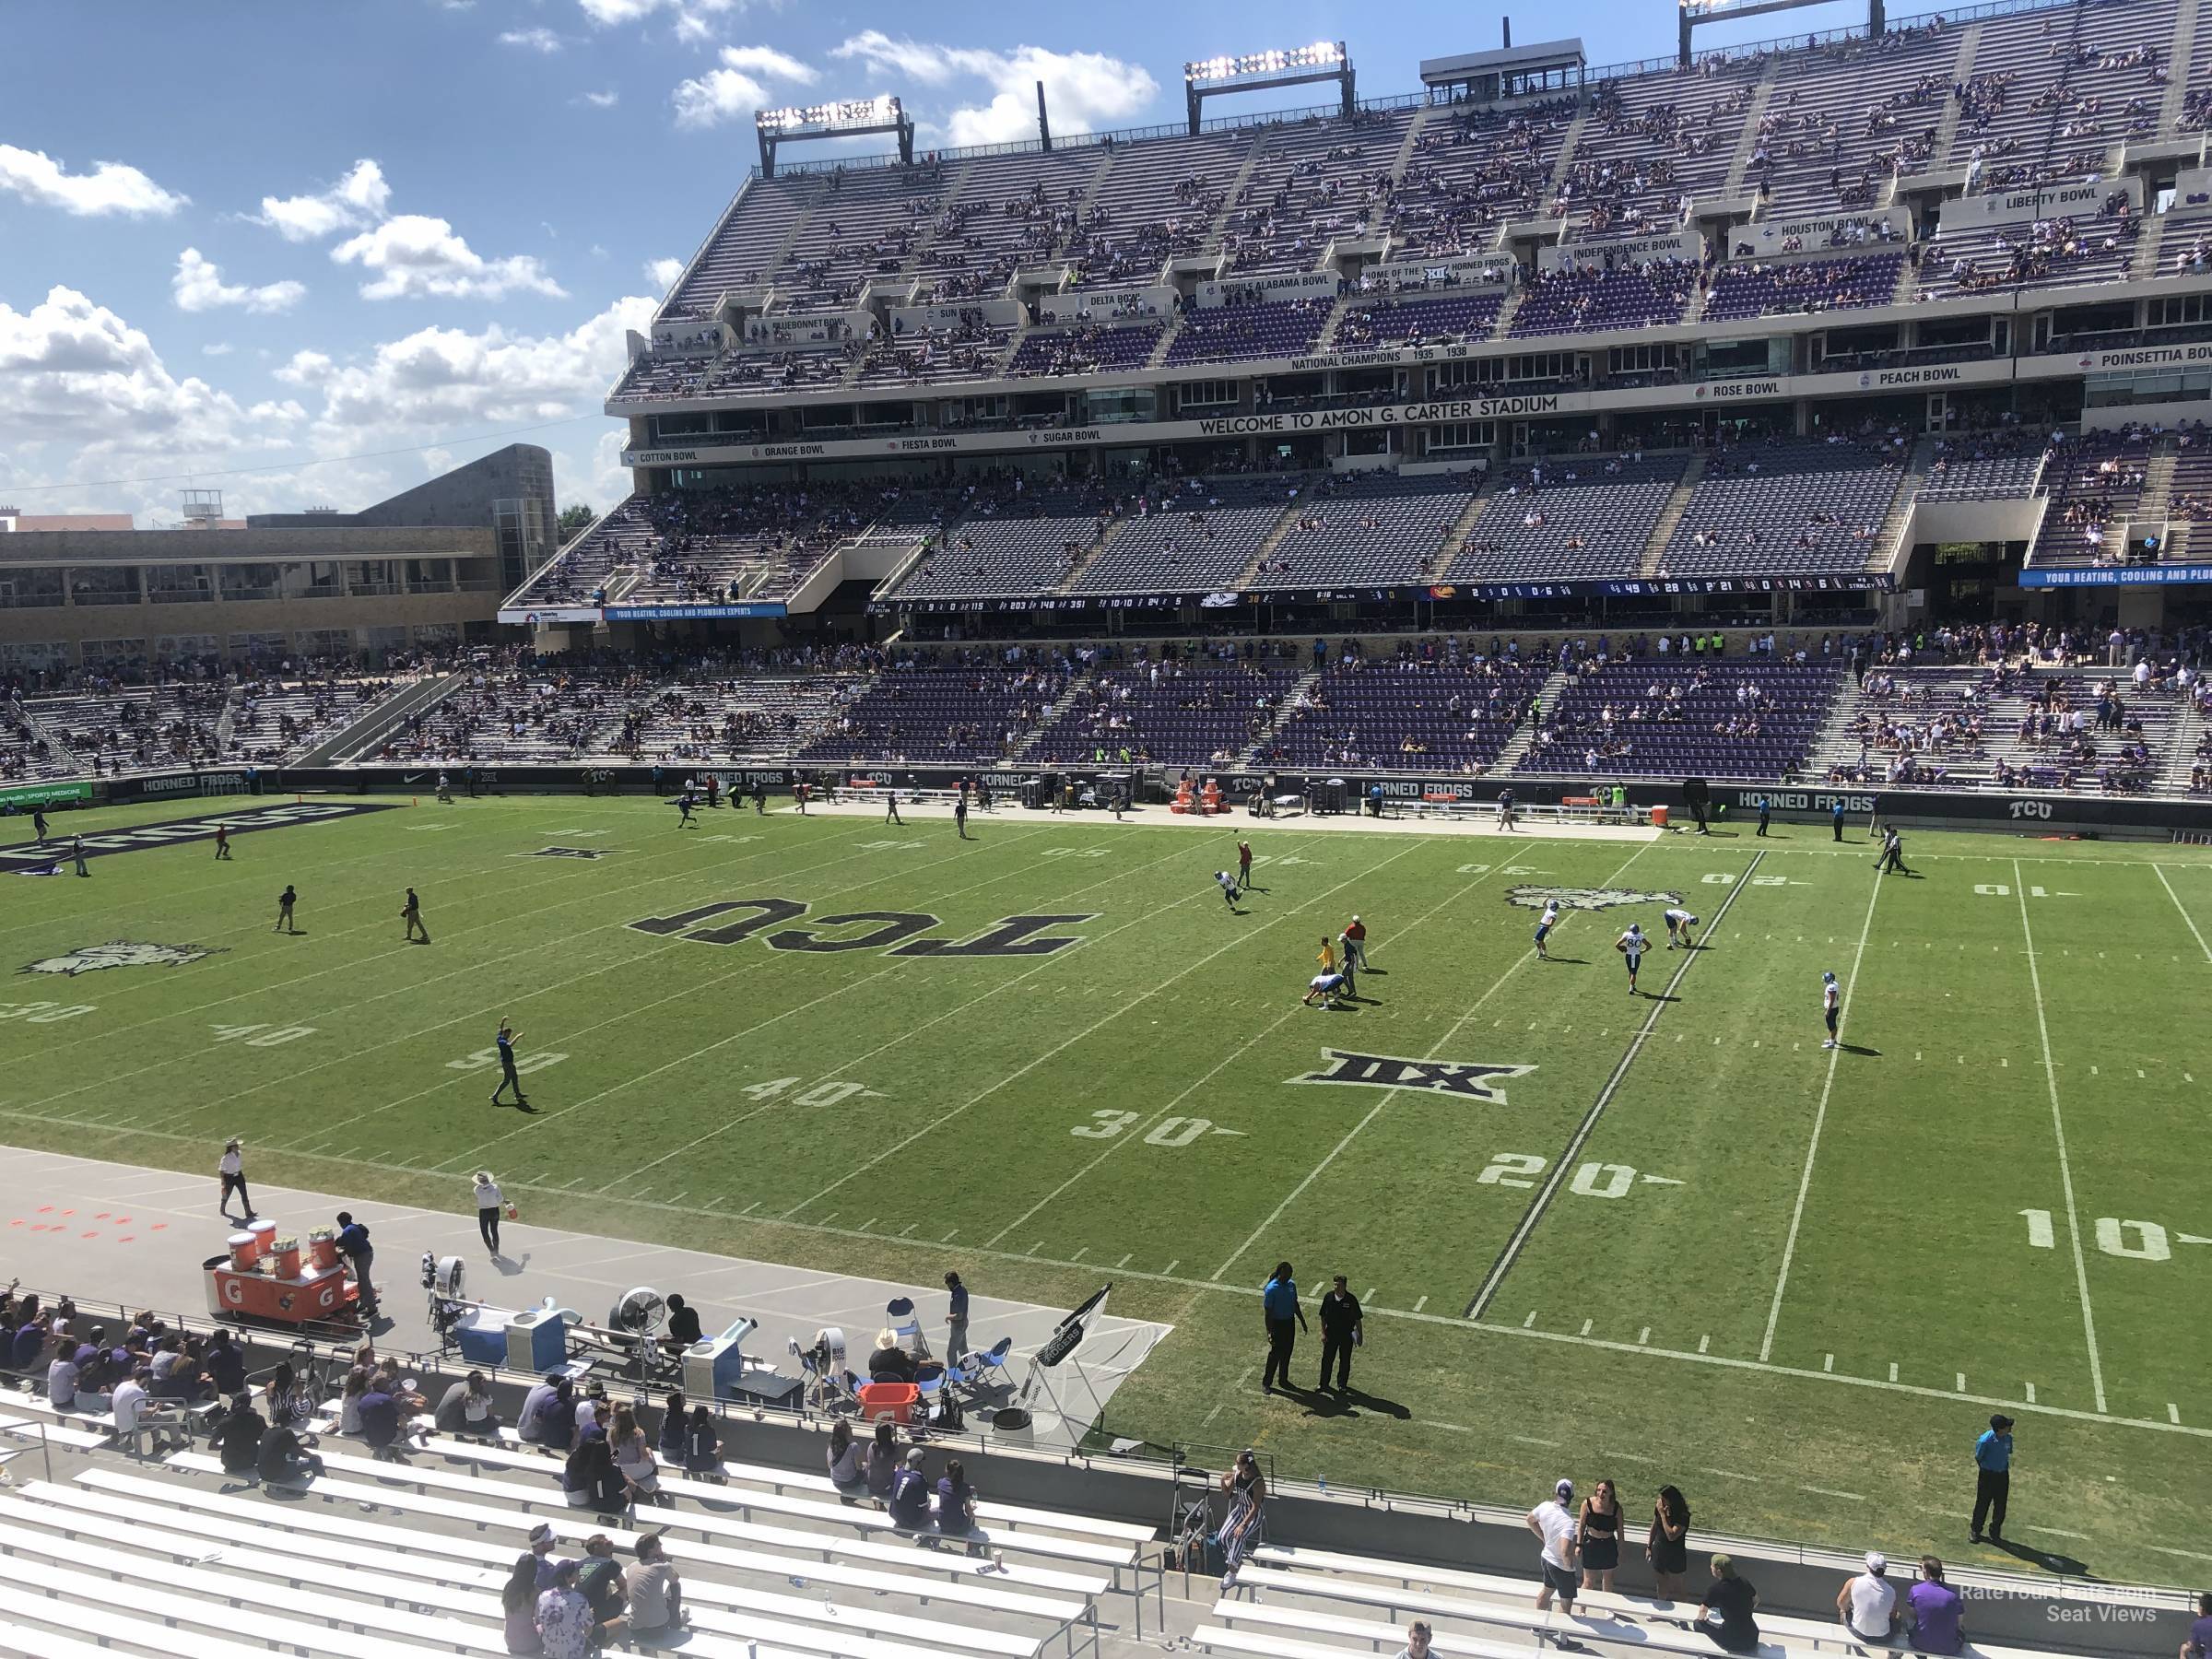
1685,1244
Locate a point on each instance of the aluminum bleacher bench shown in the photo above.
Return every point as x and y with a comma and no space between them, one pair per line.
17,1608
218,1522
1108,1554
975,1639
16,1402
1817,1633
1653,1639
96,1598
1268,1645
60,1434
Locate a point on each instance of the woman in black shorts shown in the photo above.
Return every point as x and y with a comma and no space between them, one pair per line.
1600,1532
1668,1549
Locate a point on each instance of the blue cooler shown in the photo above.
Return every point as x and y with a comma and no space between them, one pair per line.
483,1337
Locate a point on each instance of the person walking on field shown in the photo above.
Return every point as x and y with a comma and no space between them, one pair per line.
411,914
890,806
509,1076
38,822
1993,1478
1245,865
1285,1319
231,1167
77,850
223,843
956,1318
284,901
489,1202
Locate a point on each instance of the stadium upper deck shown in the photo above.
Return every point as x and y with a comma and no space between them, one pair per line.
1991,217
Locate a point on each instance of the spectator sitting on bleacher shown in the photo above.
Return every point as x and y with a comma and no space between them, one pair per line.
226,1366
31,1338
955,1507
466,1409
656,1595
1417,1637
532,1426
565,1626
518,1603
674,1427
844,1457
63,1377
633,1459
134,1413
282,1461
599,1579
588,1478
702,1445
238,1438
909,1495
881,1464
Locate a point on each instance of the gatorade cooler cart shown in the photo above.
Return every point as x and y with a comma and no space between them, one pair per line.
274,1280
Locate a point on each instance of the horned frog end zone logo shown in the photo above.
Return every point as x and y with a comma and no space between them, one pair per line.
1585,899
119,953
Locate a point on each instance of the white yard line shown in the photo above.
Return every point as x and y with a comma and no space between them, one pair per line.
468,970
950,1013
2058,1128
1133,1132
1812,1149
1435,1049
1838,1379
2199,937
1097,1025
1542,1202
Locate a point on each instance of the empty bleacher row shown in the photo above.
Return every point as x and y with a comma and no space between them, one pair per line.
1171,712
1809,508
1455,715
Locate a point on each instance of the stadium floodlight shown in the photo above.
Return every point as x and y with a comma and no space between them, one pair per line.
882,114
1278,66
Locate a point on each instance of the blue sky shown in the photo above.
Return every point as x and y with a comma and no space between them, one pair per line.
379,237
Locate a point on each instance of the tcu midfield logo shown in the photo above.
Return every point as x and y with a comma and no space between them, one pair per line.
117,953
891,932
1439,1076
1585,899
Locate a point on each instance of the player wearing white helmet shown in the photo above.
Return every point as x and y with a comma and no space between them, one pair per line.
1632,945
1678,923
1831,1006
1227,885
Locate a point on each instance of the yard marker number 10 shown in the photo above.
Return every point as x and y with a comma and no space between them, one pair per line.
2131,1241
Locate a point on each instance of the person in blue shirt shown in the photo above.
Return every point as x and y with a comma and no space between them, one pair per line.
353,1244
1993,1480
509,1076
1278,1303
1835,819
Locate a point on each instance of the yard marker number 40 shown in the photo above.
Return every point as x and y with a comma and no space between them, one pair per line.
2131,1241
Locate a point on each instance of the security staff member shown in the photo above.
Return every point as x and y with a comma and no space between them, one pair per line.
1279,1304
411,914
1835,818
1339,1334
1993,1478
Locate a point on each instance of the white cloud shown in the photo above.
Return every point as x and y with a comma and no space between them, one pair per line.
602,101
218,348
445,378
197,285
1083,89
358,199
110,187
663,273
609,14
738,87
415,256
306,369
533,40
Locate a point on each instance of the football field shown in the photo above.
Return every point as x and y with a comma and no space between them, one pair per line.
1663,1237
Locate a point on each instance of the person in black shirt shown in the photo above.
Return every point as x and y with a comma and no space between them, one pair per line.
284,901
238,1438
683,1324
1339,1332
889,1362
1728,1603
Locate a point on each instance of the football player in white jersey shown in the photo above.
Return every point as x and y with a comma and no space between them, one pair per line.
1632,946
1228,883
1831,1006
1544,923
1327,987
1678,923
